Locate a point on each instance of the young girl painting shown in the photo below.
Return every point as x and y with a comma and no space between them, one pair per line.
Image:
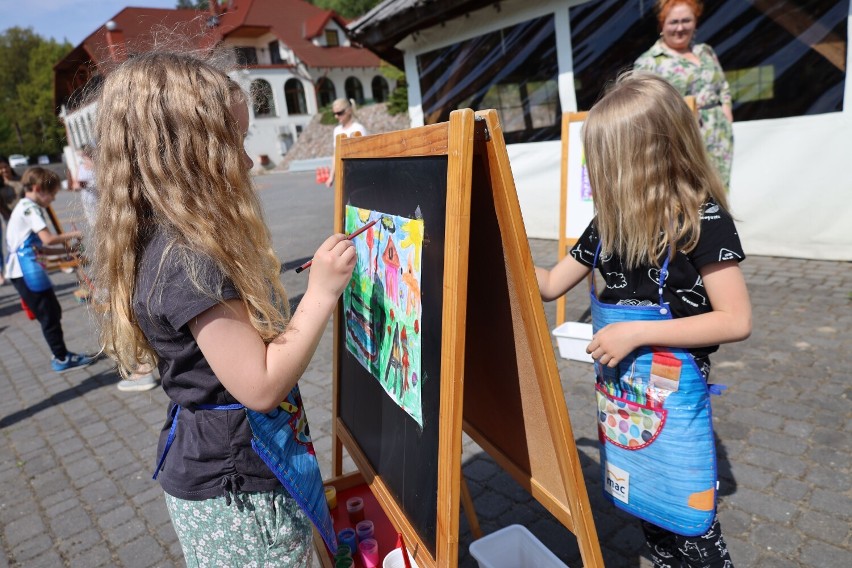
668,252
194,288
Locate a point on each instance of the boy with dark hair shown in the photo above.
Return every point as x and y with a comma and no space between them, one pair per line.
27,233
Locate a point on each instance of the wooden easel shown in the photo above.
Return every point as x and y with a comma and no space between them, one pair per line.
506,394
72,260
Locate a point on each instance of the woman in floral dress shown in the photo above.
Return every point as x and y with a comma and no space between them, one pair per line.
694,69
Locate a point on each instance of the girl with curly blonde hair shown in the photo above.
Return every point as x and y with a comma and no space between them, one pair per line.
193,287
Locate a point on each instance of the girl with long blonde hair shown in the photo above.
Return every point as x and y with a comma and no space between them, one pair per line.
193,287
669,255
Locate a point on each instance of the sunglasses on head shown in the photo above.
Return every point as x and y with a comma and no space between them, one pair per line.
339,112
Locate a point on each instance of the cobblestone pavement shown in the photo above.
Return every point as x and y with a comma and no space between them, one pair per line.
77,454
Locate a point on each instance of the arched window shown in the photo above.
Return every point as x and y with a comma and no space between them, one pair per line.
354,90
326,93
294,96
380,89
263,101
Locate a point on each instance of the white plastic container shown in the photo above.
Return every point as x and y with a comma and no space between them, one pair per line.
573,337
513,547
394,559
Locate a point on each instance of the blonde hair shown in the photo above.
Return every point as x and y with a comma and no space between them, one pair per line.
170,161
46,180
649,170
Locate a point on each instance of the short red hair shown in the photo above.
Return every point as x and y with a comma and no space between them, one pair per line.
663,8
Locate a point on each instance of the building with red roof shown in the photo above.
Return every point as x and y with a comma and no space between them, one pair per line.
295,58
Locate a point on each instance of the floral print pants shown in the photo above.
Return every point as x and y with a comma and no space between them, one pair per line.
255,530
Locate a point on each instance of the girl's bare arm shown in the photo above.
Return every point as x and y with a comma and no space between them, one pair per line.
259,375
561,278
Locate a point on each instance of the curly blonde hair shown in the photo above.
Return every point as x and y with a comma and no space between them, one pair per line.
649,170
169,161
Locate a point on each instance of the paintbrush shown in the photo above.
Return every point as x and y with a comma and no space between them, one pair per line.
349,236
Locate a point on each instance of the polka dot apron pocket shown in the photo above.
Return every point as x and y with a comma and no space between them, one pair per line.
627,424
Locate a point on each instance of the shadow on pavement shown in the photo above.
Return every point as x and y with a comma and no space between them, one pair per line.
108,377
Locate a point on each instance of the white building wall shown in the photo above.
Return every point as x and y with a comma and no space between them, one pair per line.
789,185
273,135
338,76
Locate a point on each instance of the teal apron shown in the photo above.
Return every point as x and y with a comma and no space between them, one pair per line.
658,457
282,441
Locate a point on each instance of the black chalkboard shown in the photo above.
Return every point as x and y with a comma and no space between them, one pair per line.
405,455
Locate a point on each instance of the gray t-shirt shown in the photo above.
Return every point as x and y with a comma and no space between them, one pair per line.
211,454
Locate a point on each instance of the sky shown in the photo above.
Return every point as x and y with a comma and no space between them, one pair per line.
67,19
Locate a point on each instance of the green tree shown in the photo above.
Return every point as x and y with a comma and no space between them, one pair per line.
28,121
347,8
189,4
398,100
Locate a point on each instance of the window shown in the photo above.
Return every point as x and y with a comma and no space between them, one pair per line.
263,101
354,90
781,58
294,96
275,53
331,38
326,93
380,89
246,56
754,84
512,70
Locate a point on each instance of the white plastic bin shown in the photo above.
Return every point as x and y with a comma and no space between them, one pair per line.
513,547
573,337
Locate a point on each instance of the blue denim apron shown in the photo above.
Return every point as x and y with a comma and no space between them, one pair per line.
281,438
658,457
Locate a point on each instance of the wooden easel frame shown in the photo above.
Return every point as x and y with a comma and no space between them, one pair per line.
566,241
464,138
52,263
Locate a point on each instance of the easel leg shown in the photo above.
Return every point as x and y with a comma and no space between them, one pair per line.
469,511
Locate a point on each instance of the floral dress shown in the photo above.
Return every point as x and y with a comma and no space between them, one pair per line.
706,82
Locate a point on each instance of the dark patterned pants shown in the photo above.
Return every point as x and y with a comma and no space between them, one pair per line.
670,550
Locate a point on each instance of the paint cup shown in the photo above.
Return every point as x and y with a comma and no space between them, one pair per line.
369,550
343,551
331,496
347,537
394,559
355,508
344,562
365,530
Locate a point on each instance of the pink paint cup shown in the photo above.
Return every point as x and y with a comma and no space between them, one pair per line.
369,549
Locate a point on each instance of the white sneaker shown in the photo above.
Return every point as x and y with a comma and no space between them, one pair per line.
143,383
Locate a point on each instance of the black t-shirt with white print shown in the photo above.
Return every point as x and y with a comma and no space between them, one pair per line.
683,291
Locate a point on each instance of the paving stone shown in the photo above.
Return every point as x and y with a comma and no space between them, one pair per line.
70,523
141,553
824,555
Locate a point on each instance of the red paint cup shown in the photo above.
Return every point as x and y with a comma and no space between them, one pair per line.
355,508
